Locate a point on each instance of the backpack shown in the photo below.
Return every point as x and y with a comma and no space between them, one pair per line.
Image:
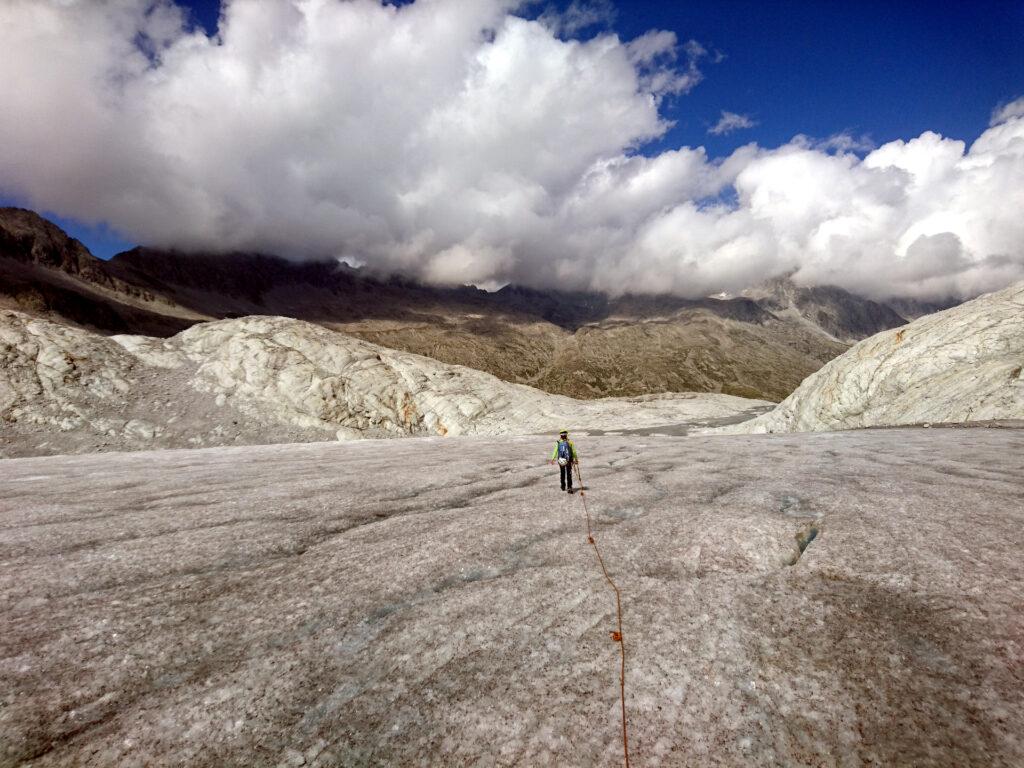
564,451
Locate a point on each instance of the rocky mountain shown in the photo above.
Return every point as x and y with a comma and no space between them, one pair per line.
846,317
45,272
960,365
912,309
579,344
582,345
271,380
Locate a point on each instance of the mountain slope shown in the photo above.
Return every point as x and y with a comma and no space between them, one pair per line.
837,312
49,274
578,344
963,364
273,379
583,345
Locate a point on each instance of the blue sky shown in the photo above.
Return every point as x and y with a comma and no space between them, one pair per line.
886,69
464,160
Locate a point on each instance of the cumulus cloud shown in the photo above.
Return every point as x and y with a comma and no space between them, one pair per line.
655,55
1007,111
462,142
578,17
729,122
839,142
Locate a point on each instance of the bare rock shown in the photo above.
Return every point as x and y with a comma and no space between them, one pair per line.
141,429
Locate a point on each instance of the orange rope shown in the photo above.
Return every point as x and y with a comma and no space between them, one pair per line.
616,636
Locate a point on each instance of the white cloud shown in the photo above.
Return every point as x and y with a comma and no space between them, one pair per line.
655,53
729,122
578,16
1007,111
839,142
460,142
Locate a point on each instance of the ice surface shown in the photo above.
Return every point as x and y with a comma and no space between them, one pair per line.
965,364
259,380
434,602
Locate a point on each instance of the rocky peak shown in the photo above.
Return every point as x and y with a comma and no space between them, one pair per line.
836,311
28,237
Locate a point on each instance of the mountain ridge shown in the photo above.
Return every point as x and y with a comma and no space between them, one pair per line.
46,272
580,344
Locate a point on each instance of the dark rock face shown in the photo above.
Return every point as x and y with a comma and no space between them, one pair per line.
226,284
845,316
580,344
27,237
914,308
836,311
265,284
234,275
48,273
41,295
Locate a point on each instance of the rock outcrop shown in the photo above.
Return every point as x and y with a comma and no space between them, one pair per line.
274,379
960,365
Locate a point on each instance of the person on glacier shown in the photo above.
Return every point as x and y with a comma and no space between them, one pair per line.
565,455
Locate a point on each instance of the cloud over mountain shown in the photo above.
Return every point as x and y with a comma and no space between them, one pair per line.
461,142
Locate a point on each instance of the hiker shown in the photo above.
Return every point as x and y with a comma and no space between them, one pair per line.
565,455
